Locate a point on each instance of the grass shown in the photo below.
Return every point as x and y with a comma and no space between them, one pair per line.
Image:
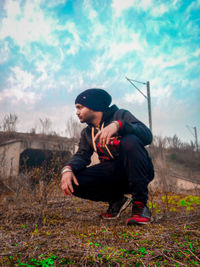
41,227
69,232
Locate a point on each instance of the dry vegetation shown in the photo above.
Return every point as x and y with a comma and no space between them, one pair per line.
69,232
40,227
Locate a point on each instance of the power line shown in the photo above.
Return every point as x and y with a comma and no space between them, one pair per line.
136,86
188,127
136,81
148,97
194,135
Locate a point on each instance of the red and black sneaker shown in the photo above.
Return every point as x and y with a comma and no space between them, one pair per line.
140,214
116,208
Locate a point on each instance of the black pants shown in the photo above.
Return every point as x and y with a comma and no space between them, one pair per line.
109,181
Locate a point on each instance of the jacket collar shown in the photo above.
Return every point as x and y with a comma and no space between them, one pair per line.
108,114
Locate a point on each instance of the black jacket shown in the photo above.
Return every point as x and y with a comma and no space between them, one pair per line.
130,125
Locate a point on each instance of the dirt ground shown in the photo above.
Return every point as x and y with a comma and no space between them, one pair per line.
70,232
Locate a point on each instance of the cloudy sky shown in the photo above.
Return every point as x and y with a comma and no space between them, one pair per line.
52,50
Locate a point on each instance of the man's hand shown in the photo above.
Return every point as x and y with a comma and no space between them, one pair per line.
66,183
105,134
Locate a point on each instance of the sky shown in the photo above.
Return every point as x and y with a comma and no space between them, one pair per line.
50,51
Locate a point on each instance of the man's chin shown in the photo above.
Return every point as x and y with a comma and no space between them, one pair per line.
83,120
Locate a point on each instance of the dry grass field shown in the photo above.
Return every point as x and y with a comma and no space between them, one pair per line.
58,231
41,227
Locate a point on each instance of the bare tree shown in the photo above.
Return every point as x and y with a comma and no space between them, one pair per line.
9,122
73,128
45,125
174,142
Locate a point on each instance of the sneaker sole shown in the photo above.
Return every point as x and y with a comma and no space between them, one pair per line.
126,204
132,222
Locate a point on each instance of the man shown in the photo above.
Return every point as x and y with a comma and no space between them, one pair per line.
125,167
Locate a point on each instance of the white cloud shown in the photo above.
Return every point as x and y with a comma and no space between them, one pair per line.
175,2
133,43
52,4
153,7
160,91
159,62
112,41
196,53
92,14
71,80
144,4
171,116
19,87
41,68
75,42
24,78
97,30
4,52
115,44
195,5
25,25
159,10
120,5
13,8
57,115
135,97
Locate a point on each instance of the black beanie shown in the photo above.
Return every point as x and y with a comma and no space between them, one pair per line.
95,99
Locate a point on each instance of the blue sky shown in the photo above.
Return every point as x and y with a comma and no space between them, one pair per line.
52,50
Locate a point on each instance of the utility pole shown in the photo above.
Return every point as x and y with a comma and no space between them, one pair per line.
196,140
149,104
194,134
148,97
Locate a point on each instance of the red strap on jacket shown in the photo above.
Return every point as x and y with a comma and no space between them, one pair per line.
120,124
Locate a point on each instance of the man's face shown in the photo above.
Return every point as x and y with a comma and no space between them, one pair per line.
84,114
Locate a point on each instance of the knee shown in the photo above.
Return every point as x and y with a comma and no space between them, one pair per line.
130,142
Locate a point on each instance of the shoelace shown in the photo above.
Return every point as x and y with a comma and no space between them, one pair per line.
137,208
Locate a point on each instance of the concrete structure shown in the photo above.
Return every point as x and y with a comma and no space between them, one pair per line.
174,184
174,178
167,177
10,151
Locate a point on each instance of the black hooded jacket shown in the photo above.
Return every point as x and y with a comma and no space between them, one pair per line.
130,125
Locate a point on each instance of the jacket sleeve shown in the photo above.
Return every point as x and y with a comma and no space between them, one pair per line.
131,125
82,157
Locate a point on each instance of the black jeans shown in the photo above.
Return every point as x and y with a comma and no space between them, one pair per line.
109,181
